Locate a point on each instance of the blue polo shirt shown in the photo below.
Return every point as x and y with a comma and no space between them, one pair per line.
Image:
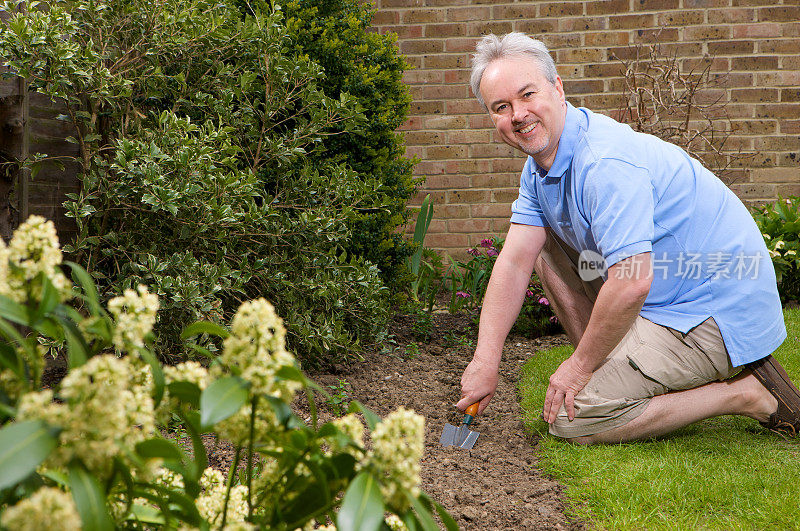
619,193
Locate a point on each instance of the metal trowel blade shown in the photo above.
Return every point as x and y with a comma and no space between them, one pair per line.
462,437
448,437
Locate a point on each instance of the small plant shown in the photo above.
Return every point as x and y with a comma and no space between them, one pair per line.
456,339
421,324
536,317
468,280
339,398
780,225
412,350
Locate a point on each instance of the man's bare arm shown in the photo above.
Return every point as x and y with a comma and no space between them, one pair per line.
619,302
501,304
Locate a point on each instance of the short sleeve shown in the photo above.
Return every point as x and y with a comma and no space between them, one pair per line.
618,202
525,209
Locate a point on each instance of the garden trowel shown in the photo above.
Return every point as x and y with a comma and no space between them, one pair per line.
462,436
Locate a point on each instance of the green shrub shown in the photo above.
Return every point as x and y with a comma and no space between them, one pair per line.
87,452
366,65
196,126
780,225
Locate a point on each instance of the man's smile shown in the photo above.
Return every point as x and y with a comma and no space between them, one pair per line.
528,128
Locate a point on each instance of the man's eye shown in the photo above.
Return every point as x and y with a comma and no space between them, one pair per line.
500,108
528,94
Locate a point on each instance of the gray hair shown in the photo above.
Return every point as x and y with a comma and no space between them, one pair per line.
491,48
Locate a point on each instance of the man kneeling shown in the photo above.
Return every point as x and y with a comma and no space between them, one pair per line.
654,267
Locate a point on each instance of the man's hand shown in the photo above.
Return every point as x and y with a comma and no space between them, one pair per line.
478,382
565,383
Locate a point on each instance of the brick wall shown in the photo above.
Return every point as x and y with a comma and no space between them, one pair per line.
473,178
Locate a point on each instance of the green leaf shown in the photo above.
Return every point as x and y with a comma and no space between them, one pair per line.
89,500
146,515
13,311
362,506
23,447
158,447
157,372
371,418
49,298
449,522
80,276
222,399
76,345
185,392
423,514
204,327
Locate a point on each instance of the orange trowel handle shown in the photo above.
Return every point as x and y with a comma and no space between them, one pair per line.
470,413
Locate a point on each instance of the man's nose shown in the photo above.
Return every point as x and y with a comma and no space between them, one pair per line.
519,113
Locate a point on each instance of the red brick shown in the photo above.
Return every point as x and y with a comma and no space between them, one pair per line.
555,41
583,86
402,3
453,211
460,45
757,30
477,29
428,167
786,190
753,2
445,61
468,14
500,226
424,138
691,4
427,107
681,18
468,137
581,55
468,196
561,9
778,79
423,76
413,123
403,31
492,150
423,16
754,127
607,7
754,95
753,190
608,38
459,76
495,180
790,94
755,62
482,120
790,160
631,22
602,70
447,182
505,195
790,29
443,92
655,5
510,165
510,12
779,14
536,27
491,210
468,225
464,107
706,32
445,122
777,143
446,152
776,175
731,47
422,46
582,23
731,15
776,46
469,166
385,17
657,35
446,241
444,30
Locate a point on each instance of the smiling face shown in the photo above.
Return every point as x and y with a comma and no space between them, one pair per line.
527,110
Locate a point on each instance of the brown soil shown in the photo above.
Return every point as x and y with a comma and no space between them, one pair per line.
497,484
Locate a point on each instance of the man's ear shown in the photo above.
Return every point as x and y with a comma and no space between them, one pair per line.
559,85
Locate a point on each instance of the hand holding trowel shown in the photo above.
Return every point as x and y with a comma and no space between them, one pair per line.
462,436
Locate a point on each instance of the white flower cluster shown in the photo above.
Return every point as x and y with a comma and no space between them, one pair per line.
187,371
397,445
257,346
46,509
395,523
32,250
106,409
351,426
135,314
212,501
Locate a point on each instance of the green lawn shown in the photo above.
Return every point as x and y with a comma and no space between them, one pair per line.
723,473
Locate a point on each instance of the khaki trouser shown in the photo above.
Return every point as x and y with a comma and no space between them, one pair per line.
649,361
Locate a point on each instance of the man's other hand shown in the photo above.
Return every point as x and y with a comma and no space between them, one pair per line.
565,383
478,383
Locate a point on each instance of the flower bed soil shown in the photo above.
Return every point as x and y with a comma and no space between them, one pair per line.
496,485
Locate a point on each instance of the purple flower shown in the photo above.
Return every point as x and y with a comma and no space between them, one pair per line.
543,301
529,293
491,251
486,242
473,251
554,319
462,294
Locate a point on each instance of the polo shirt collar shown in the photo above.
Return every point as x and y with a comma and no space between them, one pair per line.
566,145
